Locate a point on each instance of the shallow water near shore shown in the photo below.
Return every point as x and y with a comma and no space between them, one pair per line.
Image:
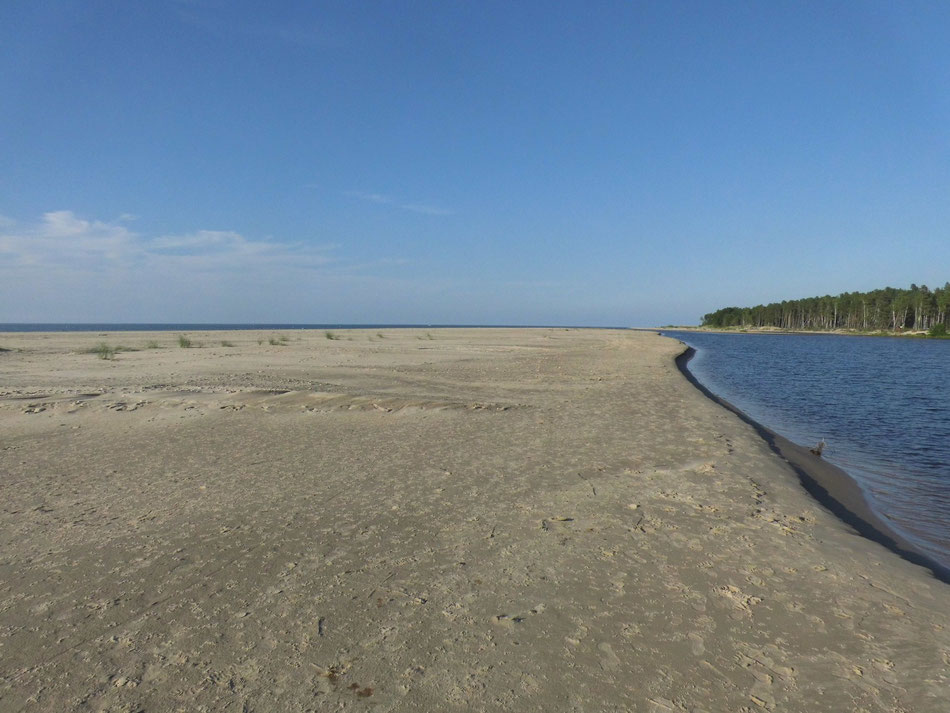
880,405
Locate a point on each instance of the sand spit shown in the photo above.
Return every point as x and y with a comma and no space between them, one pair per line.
402,520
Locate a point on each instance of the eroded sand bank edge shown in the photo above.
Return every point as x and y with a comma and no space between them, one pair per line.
831,486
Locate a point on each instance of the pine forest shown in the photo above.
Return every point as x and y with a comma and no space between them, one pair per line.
889,309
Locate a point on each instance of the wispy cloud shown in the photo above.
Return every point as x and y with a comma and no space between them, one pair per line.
383,199
425,209
371,197
538,284
216,17
61,239
64,267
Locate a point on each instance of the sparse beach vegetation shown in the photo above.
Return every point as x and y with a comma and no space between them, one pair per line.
184,342
104,351
330,335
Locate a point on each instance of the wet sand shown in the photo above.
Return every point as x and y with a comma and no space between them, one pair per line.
407,520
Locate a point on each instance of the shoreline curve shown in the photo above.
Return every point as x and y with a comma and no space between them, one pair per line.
831,486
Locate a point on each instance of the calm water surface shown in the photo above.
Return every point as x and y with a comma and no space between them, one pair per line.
882,405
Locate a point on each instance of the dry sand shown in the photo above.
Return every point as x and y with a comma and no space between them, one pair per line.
518,520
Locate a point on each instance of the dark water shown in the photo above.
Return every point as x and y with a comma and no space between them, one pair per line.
882,405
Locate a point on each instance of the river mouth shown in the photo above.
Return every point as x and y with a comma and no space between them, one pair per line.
905,506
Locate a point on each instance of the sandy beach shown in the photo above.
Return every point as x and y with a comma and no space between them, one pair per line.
413,520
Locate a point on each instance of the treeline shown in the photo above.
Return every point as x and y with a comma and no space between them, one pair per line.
888,309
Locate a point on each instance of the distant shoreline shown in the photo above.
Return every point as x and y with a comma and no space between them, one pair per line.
917,334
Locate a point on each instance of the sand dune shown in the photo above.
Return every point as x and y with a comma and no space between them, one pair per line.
527,520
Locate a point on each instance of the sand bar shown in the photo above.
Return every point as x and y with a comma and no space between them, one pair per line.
403,520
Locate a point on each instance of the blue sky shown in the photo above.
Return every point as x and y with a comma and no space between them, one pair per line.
610,163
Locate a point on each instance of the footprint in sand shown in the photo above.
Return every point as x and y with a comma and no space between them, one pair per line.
509,619
578,635
739,599
551,523
608,659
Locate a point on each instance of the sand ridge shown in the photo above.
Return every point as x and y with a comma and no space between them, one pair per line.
415,520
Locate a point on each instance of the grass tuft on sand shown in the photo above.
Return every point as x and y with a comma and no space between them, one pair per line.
106,351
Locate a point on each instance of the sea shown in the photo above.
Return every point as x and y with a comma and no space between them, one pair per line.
881,405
